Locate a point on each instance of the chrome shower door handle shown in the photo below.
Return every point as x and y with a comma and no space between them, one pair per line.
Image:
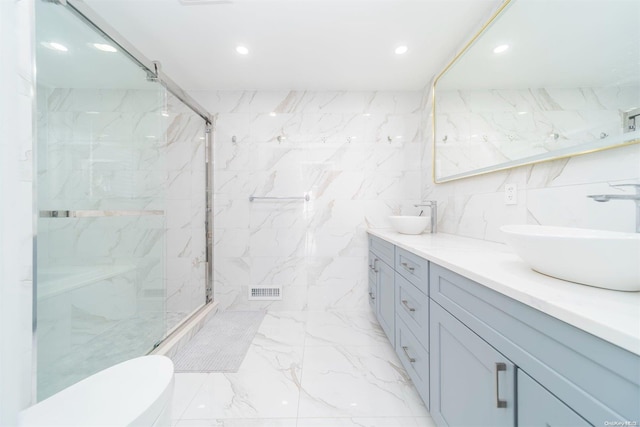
95,213
500,367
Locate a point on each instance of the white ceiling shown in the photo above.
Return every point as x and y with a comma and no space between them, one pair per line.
298,44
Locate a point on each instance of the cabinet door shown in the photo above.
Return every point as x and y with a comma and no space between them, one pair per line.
538,407
472,384
373,282
386,300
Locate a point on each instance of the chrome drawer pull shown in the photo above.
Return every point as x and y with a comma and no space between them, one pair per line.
371,296
375,269
406,353
406,304
405,265
500,367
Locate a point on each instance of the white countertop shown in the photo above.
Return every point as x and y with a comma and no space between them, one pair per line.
613,316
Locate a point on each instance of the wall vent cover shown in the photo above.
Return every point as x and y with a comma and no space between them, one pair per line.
265,294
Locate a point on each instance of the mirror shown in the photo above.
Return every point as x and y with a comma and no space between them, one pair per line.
544,79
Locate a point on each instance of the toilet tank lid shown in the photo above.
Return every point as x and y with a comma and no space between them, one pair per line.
125,394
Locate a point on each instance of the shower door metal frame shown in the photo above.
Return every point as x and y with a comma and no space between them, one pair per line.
153,70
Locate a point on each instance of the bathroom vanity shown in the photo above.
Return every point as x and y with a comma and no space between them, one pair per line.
488,341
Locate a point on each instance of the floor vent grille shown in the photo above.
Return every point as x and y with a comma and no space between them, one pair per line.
265,294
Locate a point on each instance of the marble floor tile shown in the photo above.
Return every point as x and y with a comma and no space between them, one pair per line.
343,328
242,422
282,328
306,369
356,381
266,386
367,422
185,387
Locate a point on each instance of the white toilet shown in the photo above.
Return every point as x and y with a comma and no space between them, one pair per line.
137,392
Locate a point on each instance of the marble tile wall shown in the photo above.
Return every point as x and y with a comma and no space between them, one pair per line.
16,227
549,193
357,154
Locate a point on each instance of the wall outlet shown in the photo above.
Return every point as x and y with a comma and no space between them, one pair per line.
510,194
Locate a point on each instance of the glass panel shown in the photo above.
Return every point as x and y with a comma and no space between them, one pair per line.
185,209
101,190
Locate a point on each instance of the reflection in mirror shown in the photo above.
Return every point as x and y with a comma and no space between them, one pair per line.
544,79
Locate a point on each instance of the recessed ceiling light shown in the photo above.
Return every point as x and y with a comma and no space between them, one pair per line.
104,47
501,48
242,50
401,50
55,46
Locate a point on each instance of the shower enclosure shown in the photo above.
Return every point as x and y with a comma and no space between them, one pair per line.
122,184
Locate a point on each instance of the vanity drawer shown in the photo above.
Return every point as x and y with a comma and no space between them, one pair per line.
412,306
414,358
413,268
382,249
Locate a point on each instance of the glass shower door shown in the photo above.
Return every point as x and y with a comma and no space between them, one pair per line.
101,180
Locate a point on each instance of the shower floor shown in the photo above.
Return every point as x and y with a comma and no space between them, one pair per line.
306,369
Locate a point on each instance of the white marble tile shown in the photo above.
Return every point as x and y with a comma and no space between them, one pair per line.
570,206
279,242
231,242
243,422
287,272
231,213
372,383
186,385
333,242
332,147
337,283
353,328
266,386
367,422
282,328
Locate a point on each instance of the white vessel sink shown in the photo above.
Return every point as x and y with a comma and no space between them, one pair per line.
605,259
407,224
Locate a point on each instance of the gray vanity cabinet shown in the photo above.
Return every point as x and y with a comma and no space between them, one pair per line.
381,284
480,358
472,384
538,407
576,371
386,303
412,318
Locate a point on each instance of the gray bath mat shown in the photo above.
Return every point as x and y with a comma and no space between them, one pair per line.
222,343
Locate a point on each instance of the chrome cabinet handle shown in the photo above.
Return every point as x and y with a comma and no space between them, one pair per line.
406,353
375,269
371,296
405,265
500,367
406,304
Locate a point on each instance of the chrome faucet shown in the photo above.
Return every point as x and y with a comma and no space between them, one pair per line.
634,197
433,205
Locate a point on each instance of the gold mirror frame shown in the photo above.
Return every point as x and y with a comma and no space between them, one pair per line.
513,163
